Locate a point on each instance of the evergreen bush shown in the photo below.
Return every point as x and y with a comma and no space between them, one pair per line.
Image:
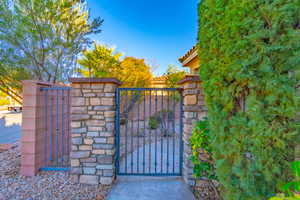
249,54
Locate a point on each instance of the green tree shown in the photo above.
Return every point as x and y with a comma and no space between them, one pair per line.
173,76
249,52
101,61
44,37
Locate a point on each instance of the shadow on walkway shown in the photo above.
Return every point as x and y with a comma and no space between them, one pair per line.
10,127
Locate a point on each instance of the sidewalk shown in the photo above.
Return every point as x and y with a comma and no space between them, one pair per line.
150,188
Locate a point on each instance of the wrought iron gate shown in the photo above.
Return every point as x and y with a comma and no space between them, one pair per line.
56,139
149,131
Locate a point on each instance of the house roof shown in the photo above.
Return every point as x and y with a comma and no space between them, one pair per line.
190,55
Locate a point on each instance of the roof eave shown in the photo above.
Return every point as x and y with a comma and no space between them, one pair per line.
186,61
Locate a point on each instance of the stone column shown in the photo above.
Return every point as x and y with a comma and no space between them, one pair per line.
93,130
193,111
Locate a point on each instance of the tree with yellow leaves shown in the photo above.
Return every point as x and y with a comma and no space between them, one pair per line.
134,73
103,61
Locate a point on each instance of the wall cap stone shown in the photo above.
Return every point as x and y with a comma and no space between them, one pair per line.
44,83
37,82
189,78
95,80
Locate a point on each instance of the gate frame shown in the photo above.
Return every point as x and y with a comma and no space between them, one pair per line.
194,109
33,126
67,104
118,134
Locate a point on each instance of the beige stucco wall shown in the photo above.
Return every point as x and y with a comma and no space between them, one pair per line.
193,65
158,84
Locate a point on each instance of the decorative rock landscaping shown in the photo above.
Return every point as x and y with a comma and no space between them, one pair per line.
46,185
205,191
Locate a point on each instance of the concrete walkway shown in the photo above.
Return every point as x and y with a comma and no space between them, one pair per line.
165,153
150,188
10,127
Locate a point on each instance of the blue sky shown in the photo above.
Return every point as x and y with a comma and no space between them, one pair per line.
160,31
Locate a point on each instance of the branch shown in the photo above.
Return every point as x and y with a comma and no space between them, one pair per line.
4,85
11,93
41,37
57,66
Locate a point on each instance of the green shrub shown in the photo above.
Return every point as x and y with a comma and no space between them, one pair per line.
292,188
153,123
200,144
161,119
249,53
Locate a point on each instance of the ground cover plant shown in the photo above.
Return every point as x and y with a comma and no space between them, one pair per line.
161,119
200,142
204,167
249,52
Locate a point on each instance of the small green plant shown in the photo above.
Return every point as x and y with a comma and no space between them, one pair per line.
161,119
153,123
292,188
201,151
204,167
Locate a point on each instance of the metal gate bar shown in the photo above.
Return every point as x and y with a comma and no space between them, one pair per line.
141,150
57,132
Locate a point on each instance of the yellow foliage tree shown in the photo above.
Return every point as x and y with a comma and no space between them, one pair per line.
134,73
103,61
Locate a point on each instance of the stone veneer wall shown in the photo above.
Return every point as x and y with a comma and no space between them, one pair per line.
93,130
193,110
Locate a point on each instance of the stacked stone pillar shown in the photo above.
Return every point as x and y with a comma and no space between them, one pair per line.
193,110
93,112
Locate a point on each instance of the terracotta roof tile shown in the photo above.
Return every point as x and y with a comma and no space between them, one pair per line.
189,53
